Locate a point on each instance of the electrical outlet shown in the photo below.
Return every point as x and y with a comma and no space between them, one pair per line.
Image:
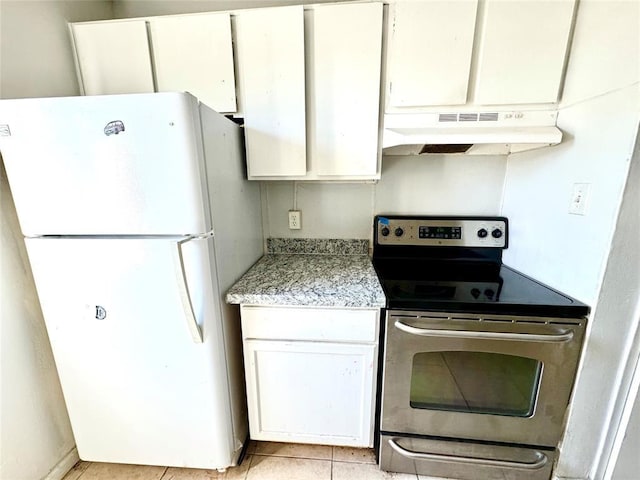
295,218
579,197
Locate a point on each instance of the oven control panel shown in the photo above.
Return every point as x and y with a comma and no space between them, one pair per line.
442,231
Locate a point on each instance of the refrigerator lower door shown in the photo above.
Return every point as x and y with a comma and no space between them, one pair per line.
140,385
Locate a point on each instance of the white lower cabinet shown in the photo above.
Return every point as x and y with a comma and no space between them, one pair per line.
311,374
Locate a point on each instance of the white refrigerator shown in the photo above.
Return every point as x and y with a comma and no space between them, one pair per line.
137,218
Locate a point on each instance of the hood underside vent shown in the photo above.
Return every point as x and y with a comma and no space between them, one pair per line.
445,148
470,133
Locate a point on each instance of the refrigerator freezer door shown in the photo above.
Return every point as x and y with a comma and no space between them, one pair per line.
106,165
138,388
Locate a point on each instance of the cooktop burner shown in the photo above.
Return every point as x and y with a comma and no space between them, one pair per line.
455,264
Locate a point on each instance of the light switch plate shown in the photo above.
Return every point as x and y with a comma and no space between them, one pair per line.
579,198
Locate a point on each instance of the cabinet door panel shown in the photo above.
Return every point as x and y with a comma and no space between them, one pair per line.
310,392
344,45
522,51
430,47
113,57
195,54
270,50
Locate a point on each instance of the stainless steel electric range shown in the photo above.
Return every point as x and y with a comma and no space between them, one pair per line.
479,359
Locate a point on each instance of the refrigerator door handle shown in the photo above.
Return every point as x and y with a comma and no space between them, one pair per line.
185,297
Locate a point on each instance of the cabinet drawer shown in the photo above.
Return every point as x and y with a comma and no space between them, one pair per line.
320,324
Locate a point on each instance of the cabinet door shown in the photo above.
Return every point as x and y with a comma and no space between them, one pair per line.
430,47
522,51
311,392
270,56
344,51
113,57
194,53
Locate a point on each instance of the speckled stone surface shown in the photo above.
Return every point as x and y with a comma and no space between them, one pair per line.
310,280
318,246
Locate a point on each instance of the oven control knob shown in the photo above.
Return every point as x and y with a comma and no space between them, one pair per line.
489,293
399,232
475,293
384,231
482,233
496,233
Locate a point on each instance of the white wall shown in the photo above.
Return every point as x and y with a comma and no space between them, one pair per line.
564,250
441,185
35,436
470,185
600,115
328,210
612,348
37,59
620,299
35,433
628,464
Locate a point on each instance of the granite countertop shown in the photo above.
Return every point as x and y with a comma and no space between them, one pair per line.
311,272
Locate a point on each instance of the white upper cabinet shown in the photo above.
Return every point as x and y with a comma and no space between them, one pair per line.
344,45
270,57
309,85
113,57
522,52
430,49
194,53
470,52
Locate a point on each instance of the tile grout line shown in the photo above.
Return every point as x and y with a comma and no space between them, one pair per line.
319,459
331,470
246,474
79,476
298,456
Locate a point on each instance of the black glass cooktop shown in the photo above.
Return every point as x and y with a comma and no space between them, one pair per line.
454,264
459,286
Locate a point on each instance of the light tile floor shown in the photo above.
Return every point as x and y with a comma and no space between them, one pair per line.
264,461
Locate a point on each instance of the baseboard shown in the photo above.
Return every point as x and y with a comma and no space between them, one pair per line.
63,466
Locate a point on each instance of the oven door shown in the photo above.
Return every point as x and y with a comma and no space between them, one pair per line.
495,378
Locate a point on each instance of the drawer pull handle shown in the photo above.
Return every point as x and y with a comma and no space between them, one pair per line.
541,458
560,337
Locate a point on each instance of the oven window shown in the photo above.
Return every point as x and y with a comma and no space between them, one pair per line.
475,382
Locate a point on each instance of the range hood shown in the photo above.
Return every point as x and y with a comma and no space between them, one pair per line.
471,133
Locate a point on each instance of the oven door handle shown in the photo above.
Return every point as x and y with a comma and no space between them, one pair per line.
541,458
560,337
